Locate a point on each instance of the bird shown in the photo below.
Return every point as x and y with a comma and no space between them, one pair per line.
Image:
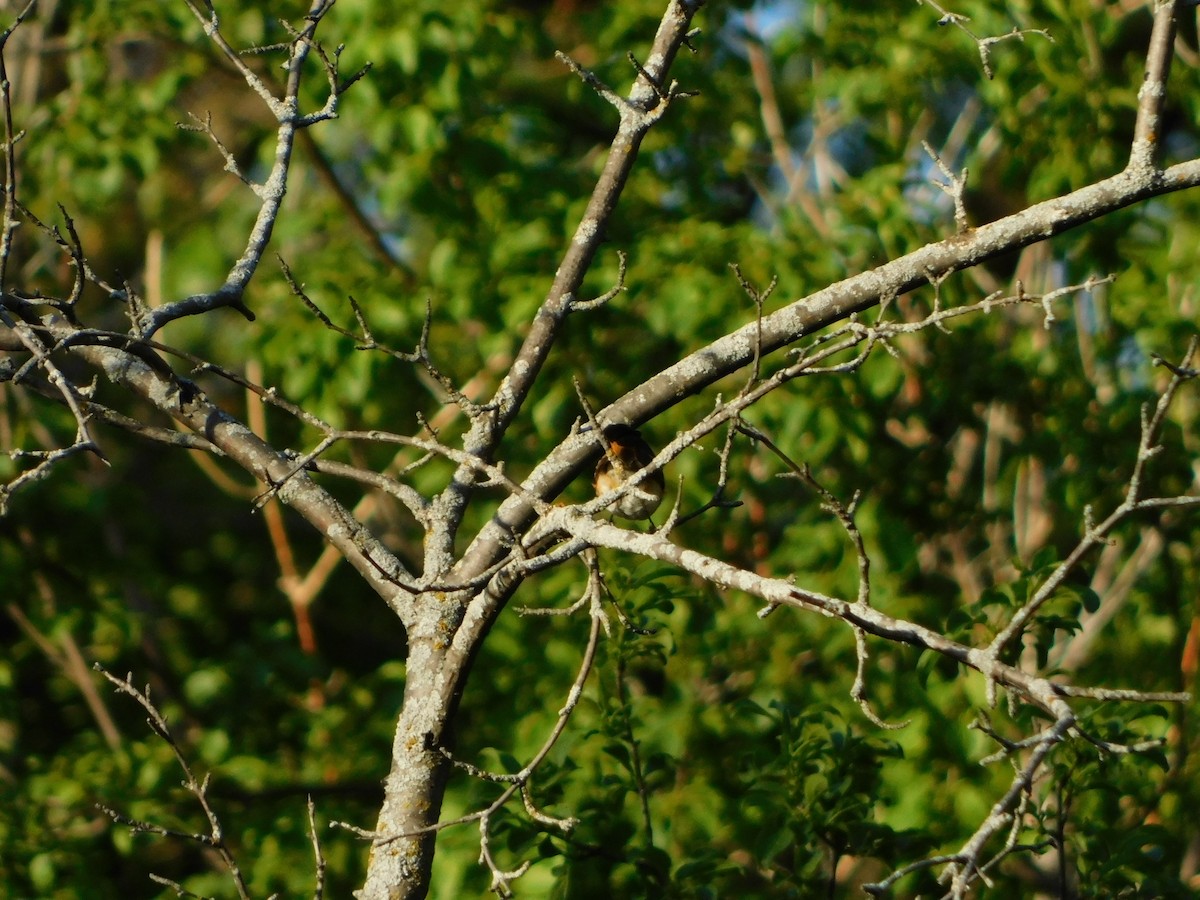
627,453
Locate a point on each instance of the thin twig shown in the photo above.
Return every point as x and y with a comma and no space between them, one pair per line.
199,789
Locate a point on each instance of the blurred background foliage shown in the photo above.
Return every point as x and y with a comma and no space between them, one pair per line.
455,175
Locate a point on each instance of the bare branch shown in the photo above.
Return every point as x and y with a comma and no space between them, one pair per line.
420,355
954,186
215,838
1095,534
286,112
602,300
1152,95
589,78
204,126
831,304
318,856
985,43
759,299
639,112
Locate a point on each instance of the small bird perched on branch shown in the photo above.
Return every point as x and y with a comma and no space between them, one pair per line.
627,453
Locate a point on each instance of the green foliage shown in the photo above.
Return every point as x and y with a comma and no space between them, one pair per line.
717,754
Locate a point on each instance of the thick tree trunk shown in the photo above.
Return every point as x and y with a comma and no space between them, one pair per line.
402,851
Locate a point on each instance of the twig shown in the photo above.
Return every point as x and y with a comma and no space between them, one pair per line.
758,298
199,789
318,856
954,186
984,44
1095,534
420,355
